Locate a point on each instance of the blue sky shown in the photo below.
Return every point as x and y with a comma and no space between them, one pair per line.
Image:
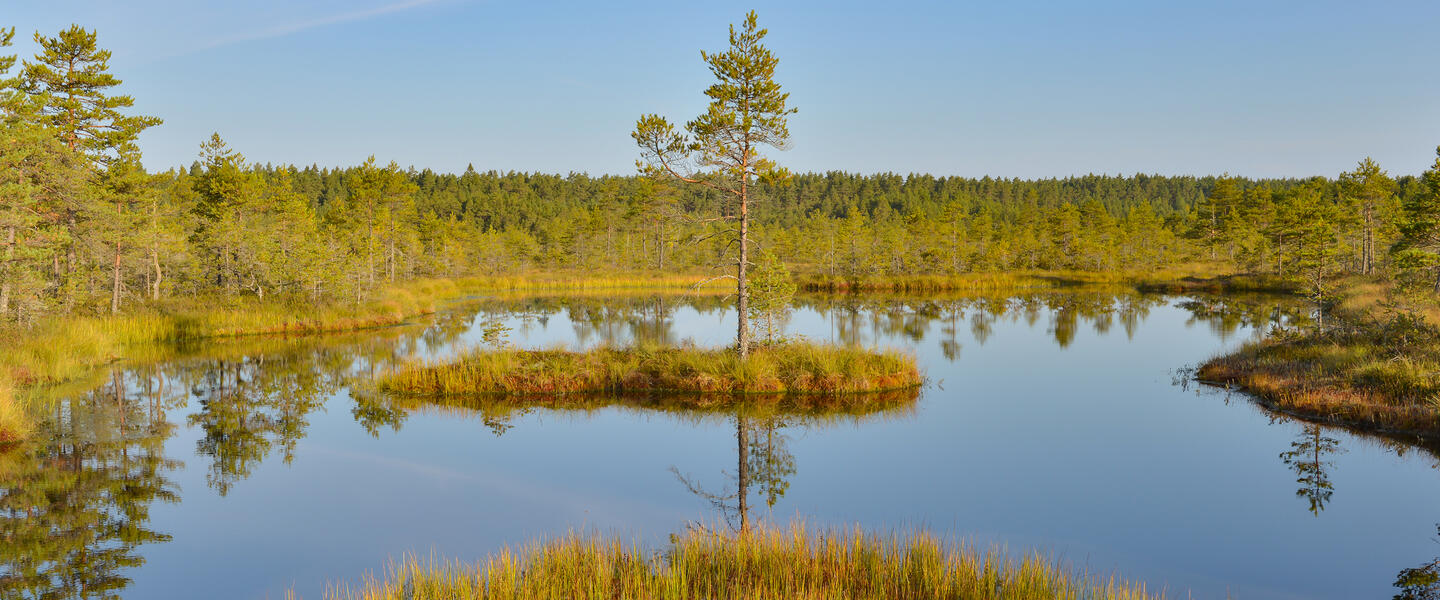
1009,89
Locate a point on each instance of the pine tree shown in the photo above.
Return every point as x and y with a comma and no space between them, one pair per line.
771,290
71,75
1370,192
1417,253
226,192
721,151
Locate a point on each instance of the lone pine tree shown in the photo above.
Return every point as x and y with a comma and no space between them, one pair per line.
720,148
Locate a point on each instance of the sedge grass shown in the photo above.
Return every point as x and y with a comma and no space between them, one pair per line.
795,368
763,563
1380,377
14,426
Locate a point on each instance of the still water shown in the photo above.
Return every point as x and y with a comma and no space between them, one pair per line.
1061,422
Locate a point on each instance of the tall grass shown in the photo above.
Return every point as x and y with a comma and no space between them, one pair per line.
814,282
14,426
1192,277
1373,367
764,563
1354,378
797,368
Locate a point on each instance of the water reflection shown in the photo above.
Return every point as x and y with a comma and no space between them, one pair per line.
764,466
1419,583
74,507
1307,457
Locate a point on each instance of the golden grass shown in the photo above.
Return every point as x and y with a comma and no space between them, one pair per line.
1209,277
814,282
766,563
14,426
1350,378
797,368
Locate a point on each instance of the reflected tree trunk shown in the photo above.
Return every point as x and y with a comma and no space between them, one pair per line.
742,472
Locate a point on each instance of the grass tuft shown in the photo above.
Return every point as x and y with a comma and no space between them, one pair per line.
796,368
764,563
14,426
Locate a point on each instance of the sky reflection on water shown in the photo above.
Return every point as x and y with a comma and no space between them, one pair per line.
1051,421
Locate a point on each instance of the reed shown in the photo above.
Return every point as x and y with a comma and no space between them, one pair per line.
763,563
794,368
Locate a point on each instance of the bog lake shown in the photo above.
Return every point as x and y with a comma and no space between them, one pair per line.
1062,422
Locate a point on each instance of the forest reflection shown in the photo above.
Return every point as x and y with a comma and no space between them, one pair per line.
75,502
75,507
873,318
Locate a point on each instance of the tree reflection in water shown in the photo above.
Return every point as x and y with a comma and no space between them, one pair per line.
1307,458
763,461
75,504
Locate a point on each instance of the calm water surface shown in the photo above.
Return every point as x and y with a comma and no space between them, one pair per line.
1057,422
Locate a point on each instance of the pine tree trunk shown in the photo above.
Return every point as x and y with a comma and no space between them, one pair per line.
115,282
742,333
1367,245
70,262
159,275
7,272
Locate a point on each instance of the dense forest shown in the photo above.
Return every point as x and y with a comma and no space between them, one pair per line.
85,227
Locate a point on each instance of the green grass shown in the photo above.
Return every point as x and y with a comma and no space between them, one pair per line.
762,564
797,368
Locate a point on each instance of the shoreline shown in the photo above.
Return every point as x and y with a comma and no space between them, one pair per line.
66,349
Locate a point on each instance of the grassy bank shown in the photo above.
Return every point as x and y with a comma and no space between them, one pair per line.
67,349
1375,365
1198,277
767,563
56,349
783,369
1381,376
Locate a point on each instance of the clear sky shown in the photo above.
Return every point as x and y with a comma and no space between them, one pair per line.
1009,89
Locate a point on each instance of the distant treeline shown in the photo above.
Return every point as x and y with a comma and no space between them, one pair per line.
85,227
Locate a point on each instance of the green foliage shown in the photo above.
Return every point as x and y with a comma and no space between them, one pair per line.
1417,253
71,73
721,150
771,290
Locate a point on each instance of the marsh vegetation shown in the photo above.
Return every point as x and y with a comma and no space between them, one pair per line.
764,563
805,373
